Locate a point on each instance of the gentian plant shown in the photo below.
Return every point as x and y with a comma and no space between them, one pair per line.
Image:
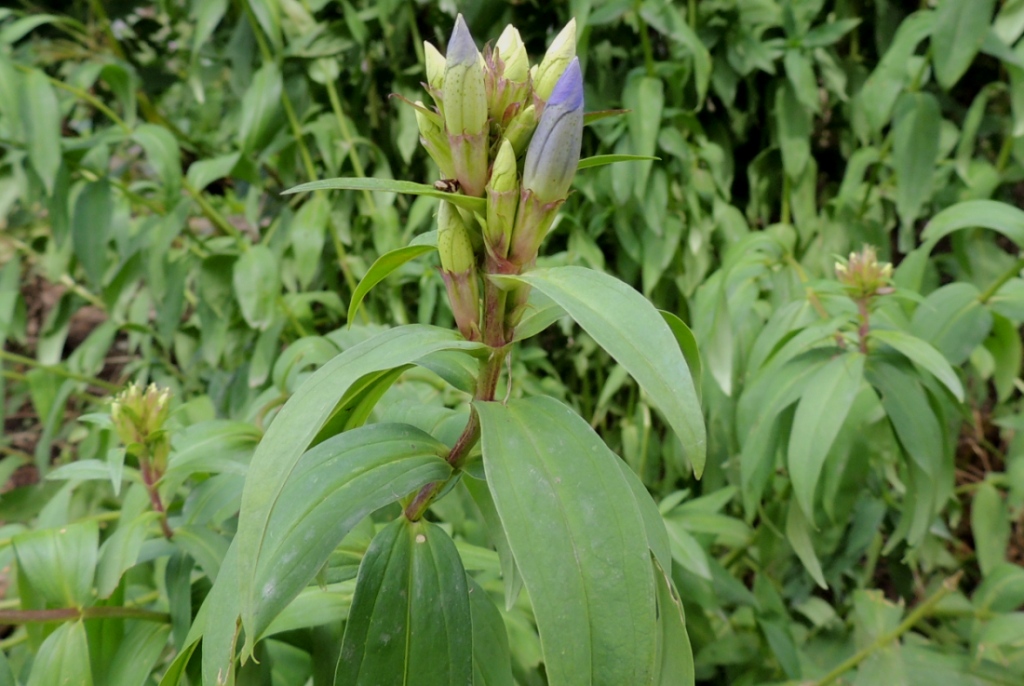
571,524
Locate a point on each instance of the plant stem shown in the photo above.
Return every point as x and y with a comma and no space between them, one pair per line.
59,371
486,383
1001,281
864,328
149,480
75,613
920,612
645,39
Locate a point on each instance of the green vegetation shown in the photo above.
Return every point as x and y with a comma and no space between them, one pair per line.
817,199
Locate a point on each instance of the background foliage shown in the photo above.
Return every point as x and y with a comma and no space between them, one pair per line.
859,520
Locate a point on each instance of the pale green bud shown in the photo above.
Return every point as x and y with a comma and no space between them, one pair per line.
434,140
465,95
435,66
556,59
502,199
520,129
512,52
454,244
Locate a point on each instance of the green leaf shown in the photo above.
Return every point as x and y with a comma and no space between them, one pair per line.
921,353
307,234
261,108
315,606
824,35
675,657
987,214
393,186
612,313
688,345
90,229
990,525
645,98
165,157
202,173
915,149
120,552
960,29
301,419
686,550
492,661
819,416
798,531
513,580
332,488
59,563
63,658
41,117
906,405
794,126
257,283
800,73
654,524
410,621
602,160
953,320
1007,352
382,267
578,538
141,647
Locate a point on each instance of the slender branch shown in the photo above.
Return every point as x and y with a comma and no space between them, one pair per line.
645,39
920,612
1001,281
59,371
74,613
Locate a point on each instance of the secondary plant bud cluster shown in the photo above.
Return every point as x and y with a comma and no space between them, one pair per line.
863,275
139,417
509,133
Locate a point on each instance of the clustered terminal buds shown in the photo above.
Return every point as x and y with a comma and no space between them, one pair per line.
511,134
139,415
863,276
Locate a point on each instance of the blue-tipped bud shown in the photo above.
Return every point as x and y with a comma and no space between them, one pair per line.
556,61
554,151
465,95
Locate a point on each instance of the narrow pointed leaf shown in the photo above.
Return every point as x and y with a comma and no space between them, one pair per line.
675,657
578,538
819,416
798,531
492,660
612,313
332,488
381,269
392,186
602,160
410,622
922,353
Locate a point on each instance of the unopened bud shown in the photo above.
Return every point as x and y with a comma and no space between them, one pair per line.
512,51
465,96
521,129
458,269
502,199
554,151
435,66
435,141
863,275
556,61
507,77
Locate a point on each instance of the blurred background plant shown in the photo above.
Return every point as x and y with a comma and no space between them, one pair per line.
860,518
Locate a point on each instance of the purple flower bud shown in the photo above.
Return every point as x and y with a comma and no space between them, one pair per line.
554,151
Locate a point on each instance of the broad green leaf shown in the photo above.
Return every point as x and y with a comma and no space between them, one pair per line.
382,267
307,234
675,657
960,29
394,186
492,662
63,658
204,172
163,154
801,77
688,345
644,97
302,417
686,550
90,229
987,214
915,149
906,405
332,488
410,622
121,551
142,646
513,580
793,123
217,623
654,525
59,563
1007,353
819,416
578,538
990,525
315,606
261,108
953,320
602,160
256,281
921,353
824,35
1002,590
612,313
798,531
41,117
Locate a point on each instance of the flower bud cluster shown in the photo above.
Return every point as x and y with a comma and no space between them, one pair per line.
508,133
863,275
139,417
